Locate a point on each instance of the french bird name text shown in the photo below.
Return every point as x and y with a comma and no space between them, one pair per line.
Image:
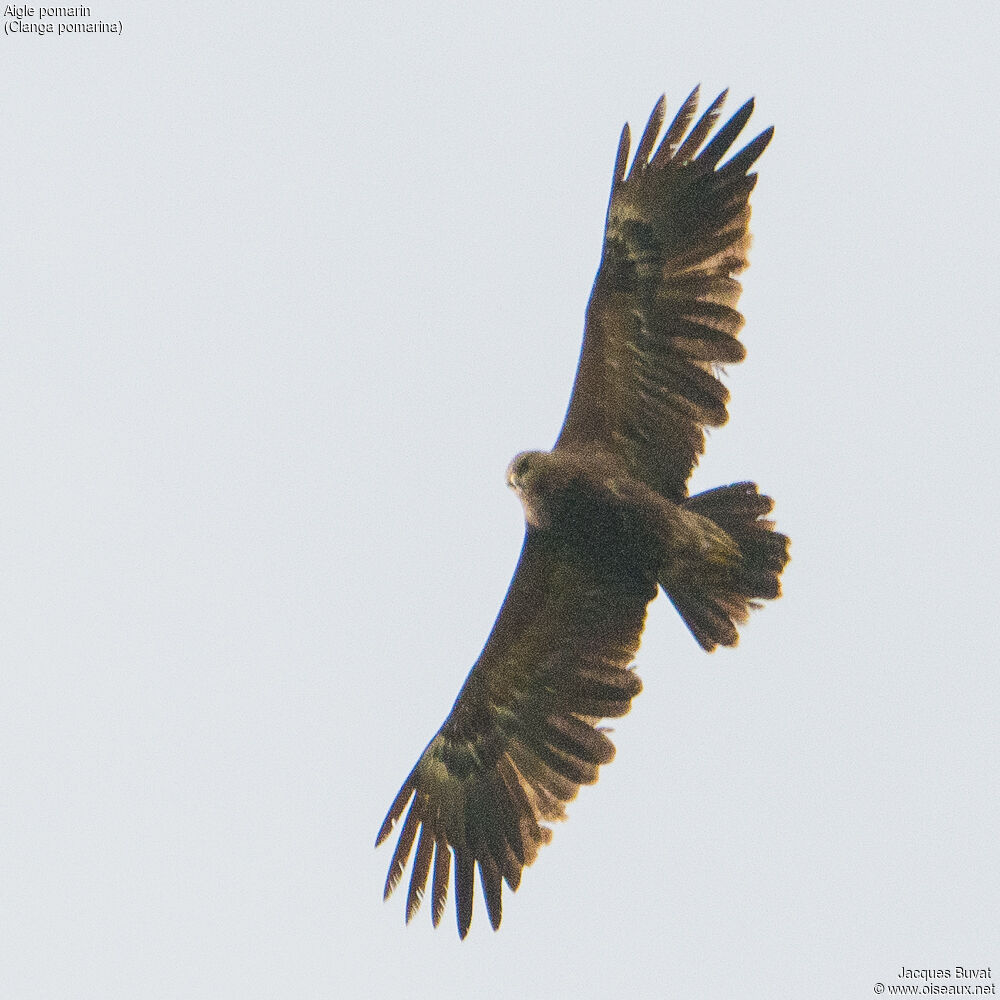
46,12
21,19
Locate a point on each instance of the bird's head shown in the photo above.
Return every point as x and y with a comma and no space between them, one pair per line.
521,471
526,476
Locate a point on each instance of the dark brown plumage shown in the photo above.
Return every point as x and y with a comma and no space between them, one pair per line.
608,522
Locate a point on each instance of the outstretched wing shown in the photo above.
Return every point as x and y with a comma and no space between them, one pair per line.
662,314
522,735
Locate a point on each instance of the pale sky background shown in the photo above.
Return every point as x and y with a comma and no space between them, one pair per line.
284,287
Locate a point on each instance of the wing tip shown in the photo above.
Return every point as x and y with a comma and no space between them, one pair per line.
399,803
647,141
621,158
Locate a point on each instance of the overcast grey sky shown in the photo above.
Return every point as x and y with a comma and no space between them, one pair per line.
283,290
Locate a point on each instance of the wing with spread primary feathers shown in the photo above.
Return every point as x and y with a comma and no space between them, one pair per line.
662,314
522,736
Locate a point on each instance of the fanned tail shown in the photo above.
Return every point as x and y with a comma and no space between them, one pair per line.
714,601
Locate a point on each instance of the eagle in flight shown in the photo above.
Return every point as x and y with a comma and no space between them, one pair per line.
608,521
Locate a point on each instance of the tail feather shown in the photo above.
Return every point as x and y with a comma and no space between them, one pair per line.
713,603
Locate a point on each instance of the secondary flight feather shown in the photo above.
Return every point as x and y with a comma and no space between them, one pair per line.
608,523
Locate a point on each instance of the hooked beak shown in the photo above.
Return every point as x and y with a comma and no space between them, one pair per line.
512,480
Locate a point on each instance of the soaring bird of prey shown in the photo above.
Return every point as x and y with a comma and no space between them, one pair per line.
608,521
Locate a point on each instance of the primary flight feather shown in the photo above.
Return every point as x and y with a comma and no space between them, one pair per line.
608,521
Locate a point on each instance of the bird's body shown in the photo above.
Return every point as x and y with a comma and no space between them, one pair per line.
592,502
608,522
